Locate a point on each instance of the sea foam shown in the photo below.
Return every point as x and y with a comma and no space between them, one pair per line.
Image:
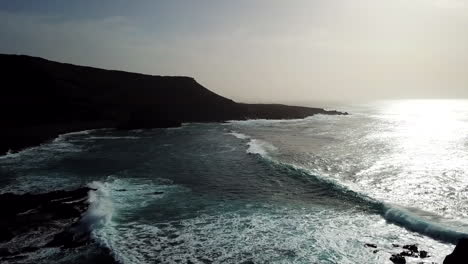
100,205
260,147
238,135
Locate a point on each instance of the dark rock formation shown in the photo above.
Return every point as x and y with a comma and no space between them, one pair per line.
370,245
41,99
411,251
398,259
51,218
459,254
413,248
423,254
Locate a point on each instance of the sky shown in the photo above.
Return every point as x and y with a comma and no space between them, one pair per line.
258,50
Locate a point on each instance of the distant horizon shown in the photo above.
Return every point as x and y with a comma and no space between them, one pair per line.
258,51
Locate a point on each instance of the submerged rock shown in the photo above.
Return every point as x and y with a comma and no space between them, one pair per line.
370,245
459,254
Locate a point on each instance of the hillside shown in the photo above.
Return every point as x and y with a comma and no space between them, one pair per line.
41,99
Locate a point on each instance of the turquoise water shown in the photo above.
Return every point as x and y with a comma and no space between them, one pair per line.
313,190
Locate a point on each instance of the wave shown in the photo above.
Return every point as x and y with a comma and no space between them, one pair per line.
260,147
115,199
255,146
111,137
238,135
403,217
100,208
415,223
59,144
63,137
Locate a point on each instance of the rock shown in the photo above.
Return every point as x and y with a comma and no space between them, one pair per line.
408,253
29,249
423,254
5,235
158,193
70,239
395,245
412,248
397,259
28,214
459,254
5,252
375,251
121,190
370,245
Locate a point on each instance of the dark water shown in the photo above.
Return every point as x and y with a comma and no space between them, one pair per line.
301,191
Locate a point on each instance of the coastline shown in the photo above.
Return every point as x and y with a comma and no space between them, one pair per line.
44,99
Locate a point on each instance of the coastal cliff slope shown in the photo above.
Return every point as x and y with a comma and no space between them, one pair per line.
41,99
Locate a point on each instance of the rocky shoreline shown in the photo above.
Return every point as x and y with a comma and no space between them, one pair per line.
34,222
30,223
458,256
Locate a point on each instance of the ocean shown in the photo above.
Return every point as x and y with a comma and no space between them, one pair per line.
312,190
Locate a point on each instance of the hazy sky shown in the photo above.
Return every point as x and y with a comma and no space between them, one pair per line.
258,50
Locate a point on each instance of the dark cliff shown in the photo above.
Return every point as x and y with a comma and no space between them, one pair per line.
41,99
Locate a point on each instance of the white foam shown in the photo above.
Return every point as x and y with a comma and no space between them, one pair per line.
260,147
100,206
238,135
112,137
258,234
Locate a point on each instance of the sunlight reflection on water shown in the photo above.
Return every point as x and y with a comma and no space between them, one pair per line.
428,153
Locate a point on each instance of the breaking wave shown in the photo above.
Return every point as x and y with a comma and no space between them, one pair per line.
394,214
100,205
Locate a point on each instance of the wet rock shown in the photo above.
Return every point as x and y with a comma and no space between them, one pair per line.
459,254
370,245
121,190
395,245
375,251
5,235
412,248
158,193
29,249
43,215
5,252
398,259
423,254
408,253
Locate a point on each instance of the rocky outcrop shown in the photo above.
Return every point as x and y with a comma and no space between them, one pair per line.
411,251
51,218
459,254
41,99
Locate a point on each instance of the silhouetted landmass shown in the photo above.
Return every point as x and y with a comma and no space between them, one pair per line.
459,254
41,99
